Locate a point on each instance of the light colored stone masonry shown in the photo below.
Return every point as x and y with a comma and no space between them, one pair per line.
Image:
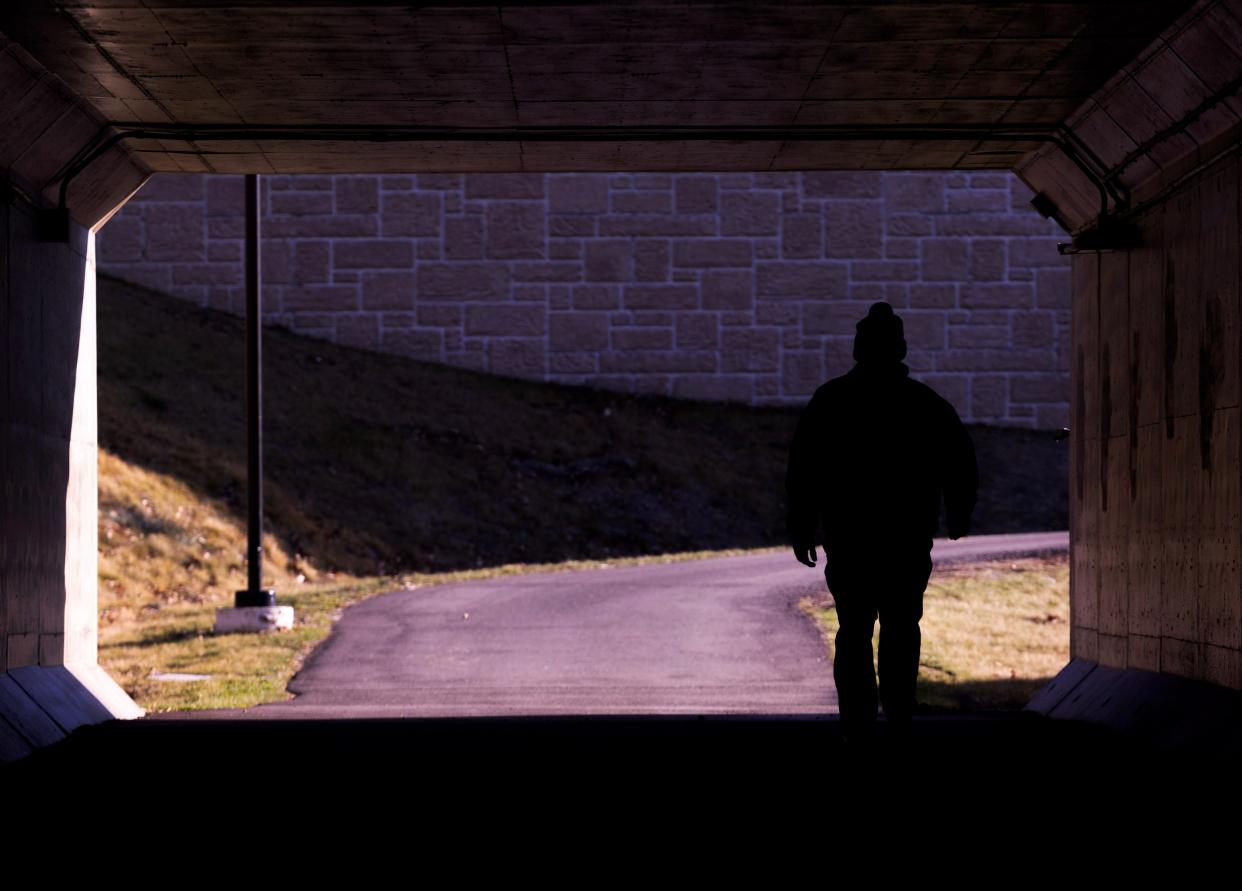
722,286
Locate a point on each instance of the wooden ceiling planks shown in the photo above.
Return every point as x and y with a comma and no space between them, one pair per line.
615,64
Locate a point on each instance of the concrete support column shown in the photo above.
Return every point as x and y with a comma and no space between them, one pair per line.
48,473
50,682
49,488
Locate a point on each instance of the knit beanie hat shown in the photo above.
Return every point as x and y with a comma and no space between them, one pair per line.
881,336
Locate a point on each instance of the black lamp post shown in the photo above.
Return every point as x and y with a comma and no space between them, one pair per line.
255,594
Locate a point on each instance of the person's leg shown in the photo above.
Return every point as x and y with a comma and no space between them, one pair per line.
900,610
853,666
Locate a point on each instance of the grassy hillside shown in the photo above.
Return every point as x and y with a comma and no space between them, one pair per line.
382,471
378,464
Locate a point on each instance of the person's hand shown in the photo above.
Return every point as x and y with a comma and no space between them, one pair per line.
958,530
805,554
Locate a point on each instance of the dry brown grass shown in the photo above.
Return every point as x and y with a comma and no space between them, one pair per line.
993,632
168,558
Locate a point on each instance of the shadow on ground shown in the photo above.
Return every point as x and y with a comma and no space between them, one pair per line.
948,697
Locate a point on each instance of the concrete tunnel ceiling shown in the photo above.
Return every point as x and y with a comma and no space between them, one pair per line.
832,86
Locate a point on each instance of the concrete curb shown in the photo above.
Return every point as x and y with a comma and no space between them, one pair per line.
1163,711
41,705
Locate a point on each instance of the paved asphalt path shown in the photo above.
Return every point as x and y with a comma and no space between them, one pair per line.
714,636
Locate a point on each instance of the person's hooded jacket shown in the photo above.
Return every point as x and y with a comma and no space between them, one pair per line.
875,452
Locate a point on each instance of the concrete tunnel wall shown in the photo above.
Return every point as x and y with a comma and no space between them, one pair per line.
49,489
1156,449
48,468
1156,466
50,681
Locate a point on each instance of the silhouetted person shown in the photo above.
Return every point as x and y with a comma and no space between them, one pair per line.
873,454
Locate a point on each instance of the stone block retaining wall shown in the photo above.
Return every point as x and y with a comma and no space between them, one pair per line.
721,286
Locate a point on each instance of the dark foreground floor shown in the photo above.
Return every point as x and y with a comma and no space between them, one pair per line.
767,802
631,802
1005,760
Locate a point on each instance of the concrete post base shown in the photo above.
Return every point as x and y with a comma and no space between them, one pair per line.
253,618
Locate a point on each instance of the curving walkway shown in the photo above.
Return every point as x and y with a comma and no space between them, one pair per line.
716,636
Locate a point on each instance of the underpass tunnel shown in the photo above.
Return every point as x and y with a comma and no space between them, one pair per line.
1123,119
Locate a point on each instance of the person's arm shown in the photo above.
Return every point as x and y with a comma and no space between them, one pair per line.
961,476
801,513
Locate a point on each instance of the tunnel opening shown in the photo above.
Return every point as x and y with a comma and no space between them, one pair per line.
443,468
1138,111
